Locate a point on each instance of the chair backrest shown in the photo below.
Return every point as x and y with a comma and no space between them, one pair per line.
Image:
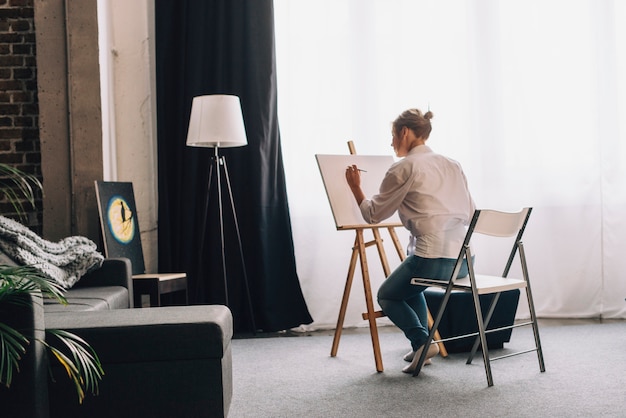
500,224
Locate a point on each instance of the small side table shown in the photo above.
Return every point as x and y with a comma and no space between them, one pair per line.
156,285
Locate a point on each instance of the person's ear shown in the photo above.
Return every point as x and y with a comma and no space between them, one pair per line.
405,132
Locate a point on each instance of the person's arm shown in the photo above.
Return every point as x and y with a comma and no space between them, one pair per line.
353,177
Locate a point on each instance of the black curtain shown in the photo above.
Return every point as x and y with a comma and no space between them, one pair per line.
225,47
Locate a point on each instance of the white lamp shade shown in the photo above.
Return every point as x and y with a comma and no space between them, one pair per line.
217,122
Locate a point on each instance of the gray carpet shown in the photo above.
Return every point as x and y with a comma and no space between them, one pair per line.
286,376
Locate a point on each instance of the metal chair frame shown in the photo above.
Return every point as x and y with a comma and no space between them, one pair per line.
495,224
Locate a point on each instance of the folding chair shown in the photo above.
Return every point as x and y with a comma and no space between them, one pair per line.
493,224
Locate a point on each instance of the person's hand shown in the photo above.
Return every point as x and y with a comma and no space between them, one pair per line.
353,177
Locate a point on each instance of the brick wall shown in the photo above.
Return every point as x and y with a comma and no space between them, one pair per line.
19,122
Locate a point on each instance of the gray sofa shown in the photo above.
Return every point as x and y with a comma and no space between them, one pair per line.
158,362
108,287
162,362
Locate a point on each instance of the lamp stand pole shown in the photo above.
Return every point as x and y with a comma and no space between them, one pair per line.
218,161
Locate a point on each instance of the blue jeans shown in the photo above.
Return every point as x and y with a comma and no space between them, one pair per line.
404,303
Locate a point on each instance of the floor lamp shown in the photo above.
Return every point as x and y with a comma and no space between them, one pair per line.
216,122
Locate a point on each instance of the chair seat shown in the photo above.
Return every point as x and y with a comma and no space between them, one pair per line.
491,284
484,284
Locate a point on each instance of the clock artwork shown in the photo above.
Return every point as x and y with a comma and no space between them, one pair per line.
119,222
121,219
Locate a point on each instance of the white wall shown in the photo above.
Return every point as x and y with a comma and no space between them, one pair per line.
129,108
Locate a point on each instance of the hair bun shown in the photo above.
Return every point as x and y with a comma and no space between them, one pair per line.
428,115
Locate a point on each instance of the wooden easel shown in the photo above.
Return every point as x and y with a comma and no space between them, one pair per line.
358,252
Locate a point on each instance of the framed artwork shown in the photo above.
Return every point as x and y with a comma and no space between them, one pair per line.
119,222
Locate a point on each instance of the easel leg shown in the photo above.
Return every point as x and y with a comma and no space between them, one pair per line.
381,252
344,300
358,251
396,243
371,317
442,348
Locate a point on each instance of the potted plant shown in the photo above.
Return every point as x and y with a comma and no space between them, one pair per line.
19,286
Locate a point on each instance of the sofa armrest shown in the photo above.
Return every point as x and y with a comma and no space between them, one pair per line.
28,394
113,272
153,358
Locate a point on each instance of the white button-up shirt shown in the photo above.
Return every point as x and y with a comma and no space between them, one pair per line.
430,193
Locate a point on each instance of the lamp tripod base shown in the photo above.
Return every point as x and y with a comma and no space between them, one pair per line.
218,163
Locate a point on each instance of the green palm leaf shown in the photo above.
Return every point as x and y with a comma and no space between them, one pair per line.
83,368
12,348
17,185
17,280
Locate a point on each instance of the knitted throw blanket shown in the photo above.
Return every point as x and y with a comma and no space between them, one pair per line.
65,261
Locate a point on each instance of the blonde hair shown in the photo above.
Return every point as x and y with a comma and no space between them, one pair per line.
416,121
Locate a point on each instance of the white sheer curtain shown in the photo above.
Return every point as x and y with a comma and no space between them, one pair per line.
530,96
